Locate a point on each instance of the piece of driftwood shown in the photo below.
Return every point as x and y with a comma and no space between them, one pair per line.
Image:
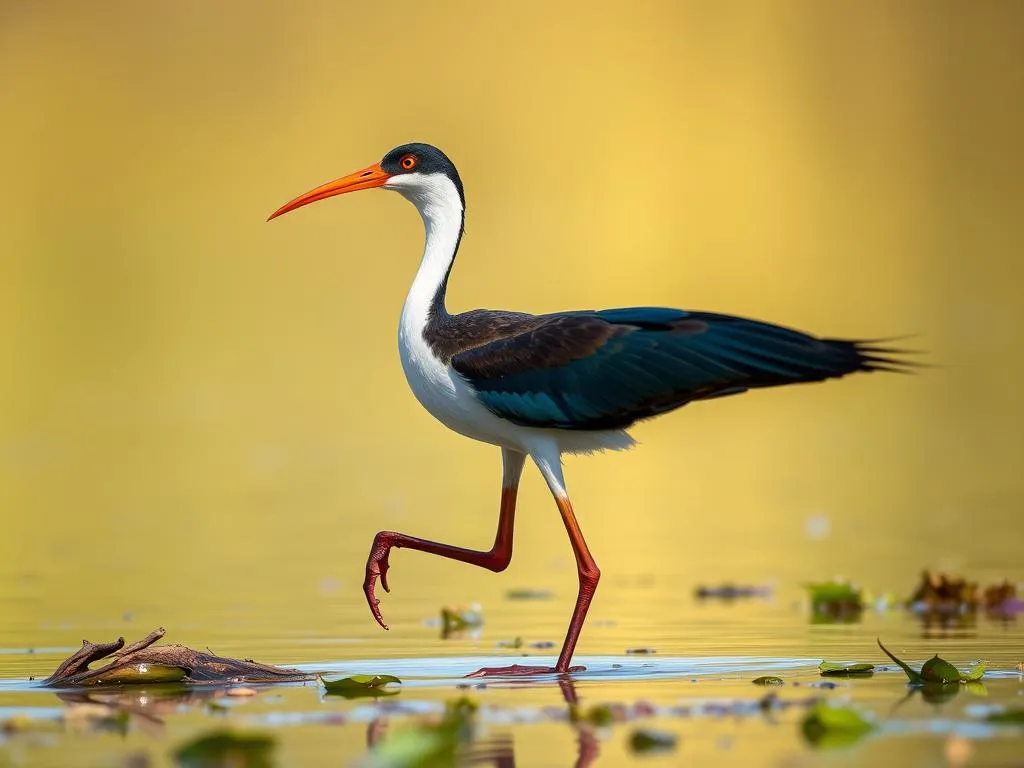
142,662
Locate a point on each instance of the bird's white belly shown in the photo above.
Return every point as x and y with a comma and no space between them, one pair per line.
447,397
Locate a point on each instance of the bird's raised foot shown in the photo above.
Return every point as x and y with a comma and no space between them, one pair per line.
377,567
519,670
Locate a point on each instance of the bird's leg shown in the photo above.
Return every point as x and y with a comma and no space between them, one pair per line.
495,559
588,573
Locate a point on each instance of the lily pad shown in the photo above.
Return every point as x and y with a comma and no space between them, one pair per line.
825,726
361,686
768,680
832,669
226,748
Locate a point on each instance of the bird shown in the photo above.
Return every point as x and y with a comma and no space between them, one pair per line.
540,386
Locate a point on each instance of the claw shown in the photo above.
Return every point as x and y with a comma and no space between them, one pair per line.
377,567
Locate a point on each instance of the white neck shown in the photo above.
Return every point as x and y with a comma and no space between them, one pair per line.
440,206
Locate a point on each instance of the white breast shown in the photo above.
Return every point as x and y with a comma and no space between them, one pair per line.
445,394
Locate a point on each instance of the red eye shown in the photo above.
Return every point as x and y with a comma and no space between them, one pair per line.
408,162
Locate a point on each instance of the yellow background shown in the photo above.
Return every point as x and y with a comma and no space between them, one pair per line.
197,406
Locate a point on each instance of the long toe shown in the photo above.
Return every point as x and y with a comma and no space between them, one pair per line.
519,670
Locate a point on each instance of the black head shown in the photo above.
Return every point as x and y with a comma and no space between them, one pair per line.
421,158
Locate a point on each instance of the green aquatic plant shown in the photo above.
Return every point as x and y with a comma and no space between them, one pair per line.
362,686
835,601
936,671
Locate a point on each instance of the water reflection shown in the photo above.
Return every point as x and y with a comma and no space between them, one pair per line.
120,710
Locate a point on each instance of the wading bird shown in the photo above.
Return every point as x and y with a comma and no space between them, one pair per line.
568,382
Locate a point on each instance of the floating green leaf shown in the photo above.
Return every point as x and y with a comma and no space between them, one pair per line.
937,671
832,669
975,674
361,686
225,748
826,726
768,680
646,740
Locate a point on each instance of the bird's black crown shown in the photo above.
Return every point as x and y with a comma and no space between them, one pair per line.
422,158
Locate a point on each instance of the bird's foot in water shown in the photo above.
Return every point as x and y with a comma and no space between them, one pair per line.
377,567
519,670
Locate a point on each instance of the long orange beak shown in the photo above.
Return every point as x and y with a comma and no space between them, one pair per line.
368,178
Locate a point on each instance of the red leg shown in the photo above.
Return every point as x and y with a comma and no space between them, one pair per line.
589,575
495,559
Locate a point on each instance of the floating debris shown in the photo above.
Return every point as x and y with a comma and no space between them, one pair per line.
143,663
528,594
729,592
645,740
768,680
946,594
640,651
458,619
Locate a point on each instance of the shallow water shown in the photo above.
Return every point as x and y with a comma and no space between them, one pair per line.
696,684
